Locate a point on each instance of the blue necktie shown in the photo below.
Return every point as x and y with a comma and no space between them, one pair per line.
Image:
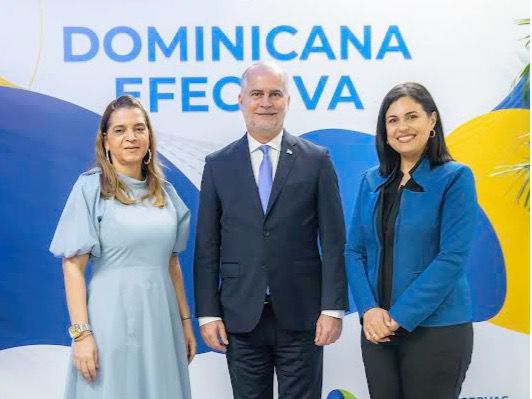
265,177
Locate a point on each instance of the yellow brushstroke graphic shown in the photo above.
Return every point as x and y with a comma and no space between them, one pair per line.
6,83
486,143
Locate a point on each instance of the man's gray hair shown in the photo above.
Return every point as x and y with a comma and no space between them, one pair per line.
269,65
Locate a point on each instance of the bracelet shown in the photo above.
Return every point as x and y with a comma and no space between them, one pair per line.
185,318
83,335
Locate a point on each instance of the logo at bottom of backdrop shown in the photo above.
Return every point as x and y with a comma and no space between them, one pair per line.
340,394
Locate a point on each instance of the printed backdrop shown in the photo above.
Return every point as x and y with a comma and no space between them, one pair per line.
62,62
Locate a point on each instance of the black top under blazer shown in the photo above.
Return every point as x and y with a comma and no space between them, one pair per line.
240,251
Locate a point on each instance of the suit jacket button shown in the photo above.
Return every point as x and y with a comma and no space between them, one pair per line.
266,233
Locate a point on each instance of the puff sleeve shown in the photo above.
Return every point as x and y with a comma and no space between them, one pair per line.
77,230
183,218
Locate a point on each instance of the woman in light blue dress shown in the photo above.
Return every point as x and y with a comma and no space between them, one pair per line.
131,324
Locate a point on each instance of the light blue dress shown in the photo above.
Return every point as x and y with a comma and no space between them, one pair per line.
131,299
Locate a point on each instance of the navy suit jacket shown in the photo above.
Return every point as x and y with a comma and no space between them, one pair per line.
240,250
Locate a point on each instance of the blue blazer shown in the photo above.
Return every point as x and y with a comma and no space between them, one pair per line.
433,234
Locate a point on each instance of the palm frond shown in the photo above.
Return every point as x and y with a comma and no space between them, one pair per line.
521,170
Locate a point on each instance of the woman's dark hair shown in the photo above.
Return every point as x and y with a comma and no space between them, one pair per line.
436,152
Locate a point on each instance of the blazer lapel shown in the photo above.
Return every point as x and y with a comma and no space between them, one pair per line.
286,162
247,180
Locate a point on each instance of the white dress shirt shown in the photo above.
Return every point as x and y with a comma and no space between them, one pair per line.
256,158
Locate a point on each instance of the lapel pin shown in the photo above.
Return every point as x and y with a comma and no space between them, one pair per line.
289,151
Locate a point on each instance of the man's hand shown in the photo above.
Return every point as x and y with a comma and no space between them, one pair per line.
377,325
214,335
328,330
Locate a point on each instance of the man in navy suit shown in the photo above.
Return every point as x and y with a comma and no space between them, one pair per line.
264,293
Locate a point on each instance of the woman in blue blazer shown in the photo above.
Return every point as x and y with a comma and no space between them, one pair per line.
406,253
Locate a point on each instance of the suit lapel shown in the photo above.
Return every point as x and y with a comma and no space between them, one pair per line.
286,162
247,180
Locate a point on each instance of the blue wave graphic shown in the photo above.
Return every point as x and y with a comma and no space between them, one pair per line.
516,98
353,152
45,143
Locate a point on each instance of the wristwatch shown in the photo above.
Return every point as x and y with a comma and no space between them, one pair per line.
75,330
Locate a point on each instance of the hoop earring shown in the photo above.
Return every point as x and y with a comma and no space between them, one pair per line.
149,157
108,156
432,134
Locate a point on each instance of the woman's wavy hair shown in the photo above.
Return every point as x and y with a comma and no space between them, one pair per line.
436,151
111,186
